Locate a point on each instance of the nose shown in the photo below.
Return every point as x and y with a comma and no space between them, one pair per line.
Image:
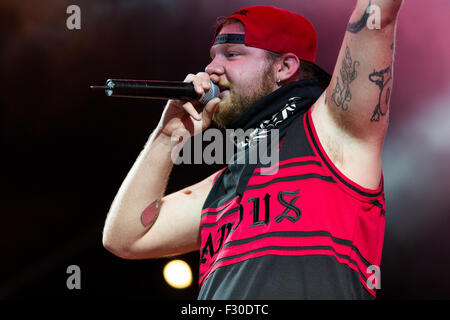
215,68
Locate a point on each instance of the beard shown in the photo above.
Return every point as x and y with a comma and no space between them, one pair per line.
239,103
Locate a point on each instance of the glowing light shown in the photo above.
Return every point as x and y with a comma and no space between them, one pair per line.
178,274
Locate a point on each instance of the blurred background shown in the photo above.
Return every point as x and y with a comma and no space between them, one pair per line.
66,149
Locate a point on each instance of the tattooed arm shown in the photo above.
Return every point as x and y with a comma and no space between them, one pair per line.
351,117
359,92
142,222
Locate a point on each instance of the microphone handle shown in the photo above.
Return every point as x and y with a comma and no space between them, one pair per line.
151,89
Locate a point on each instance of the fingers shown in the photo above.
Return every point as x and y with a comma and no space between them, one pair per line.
190,109
208,111
214,78
211,107
201,82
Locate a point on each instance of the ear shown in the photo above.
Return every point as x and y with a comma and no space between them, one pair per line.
287,68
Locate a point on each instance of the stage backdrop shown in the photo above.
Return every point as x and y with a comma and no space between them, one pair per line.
66,150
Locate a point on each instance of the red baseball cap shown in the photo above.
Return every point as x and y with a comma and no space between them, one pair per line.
276,30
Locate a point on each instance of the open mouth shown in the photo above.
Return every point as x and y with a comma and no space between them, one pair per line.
222,90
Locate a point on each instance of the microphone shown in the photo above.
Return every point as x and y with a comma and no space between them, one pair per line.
162,90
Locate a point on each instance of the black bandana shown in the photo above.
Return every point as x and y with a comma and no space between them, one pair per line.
275,111
264,127
306,92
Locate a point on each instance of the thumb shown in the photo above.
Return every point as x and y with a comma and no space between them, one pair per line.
210,108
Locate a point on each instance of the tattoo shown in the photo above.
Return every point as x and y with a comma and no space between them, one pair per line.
341,93
355,27
149,215
382,79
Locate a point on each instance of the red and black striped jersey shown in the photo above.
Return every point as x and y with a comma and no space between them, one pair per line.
300,230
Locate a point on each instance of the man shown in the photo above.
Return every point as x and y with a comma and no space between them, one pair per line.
310,227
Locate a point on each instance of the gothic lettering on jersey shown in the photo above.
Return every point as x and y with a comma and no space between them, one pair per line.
241,217
291,213
209,246
256,221
226,227
290,206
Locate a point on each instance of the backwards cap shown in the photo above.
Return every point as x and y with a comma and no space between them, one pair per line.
276,30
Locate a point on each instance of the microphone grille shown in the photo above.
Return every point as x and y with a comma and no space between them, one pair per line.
212,93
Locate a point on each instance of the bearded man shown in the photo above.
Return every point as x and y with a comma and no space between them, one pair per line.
310,227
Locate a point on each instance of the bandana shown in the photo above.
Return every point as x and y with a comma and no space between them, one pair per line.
275,111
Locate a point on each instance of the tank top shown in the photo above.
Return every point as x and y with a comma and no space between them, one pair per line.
299,229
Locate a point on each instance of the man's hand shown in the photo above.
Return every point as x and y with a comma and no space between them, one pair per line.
142,222
187,115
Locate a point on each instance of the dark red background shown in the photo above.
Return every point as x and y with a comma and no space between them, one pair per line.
67,150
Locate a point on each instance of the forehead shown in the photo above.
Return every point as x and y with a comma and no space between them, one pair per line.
232,27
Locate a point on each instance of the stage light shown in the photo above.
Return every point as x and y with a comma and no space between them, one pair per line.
178,274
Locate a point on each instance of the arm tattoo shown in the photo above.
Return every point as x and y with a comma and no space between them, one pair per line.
355,27
382,79
149,215
341,93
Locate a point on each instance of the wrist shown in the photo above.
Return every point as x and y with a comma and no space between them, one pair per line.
170,146
160,138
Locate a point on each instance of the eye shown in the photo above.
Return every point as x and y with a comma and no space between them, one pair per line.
231,54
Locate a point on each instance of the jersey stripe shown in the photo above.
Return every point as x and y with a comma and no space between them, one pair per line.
315,142
291,178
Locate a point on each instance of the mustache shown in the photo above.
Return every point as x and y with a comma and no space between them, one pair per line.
224,85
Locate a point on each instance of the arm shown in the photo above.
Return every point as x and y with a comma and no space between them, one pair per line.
359,92
141,222
352,114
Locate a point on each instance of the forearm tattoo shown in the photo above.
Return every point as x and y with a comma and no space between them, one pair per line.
149,215
383,79
355,27
341,94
